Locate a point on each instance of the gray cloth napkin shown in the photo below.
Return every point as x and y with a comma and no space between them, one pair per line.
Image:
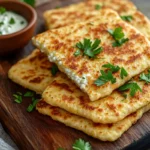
5,141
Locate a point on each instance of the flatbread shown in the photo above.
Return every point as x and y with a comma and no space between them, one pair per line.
64,94
74,13
59,45
32,72
104,132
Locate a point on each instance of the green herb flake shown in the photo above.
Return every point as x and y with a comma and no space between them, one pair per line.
77,53
118,36
54,70
104,78
98,7
33,105
57,7
0,33
29,2
80,144
89,49
123,73
18,97
12,21
132,86
1,23
2,10
145,77
111,67
127,18
29,94
22,22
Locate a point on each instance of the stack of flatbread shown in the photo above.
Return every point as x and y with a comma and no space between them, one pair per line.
71,97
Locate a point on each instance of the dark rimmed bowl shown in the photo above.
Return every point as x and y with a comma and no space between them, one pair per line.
12,42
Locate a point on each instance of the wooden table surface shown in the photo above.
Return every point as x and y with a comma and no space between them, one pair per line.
38,132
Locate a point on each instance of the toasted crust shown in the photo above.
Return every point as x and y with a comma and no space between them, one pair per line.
59,45
32,72
56,18
104,132
110,109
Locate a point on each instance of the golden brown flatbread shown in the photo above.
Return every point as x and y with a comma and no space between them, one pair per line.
74,13
60,46
104,132
32,72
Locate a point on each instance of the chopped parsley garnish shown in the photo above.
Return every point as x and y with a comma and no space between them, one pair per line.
90,49
54,70
104,78
29,94
127,18
0,33
123,73
98,7
1,23
132,86
12,21
80,144
18,97
30,2
77,53
107,75
22,22
145,77
33,105
118,36
2,10
111,67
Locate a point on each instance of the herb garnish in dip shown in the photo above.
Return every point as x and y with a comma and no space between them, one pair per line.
11,22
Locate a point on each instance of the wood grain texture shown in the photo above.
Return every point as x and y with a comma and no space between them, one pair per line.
32,131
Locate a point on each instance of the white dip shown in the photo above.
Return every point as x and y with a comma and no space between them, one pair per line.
11,22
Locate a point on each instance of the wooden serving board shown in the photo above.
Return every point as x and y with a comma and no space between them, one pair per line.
33,131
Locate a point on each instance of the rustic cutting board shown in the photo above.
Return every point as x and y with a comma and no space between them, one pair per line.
34,131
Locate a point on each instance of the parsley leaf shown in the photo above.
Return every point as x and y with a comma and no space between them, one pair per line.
11,21
132,86
0,33
104,78
111,67
90,49
1,23
123,73
30,2
145,77
2,10
118,36
54,70
81,145
127,18
98,7
29,94
18,97
77,53
22,22
33,105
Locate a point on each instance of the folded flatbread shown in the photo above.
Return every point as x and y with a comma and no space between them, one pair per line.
64,94
104,132
33,72
74,13
60,46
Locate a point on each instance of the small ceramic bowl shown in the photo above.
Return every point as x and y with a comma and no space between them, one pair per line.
12,42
